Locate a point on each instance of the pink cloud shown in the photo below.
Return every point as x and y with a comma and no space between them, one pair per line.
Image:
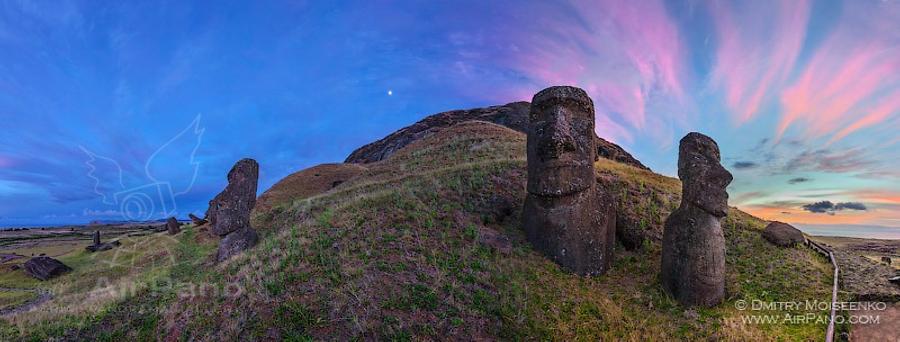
627,55
852,81
878,114
757,50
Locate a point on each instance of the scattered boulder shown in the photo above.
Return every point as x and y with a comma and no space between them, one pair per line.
230,210
44,268
15,267
172,226
513,115
783,234
197,221
693,248
236,242
886,260
565,217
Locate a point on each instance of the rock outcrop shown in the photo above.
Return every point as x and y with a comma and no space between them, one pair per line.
513,115
172,226
196,220
693,248
229,211
565,217
782,234
44,268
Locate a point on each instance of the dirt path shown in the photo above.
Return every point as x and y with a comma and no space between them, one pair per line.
43,296
887,328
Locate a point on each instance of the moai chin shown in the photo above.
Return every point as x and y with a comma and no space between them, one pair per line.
693,250
565,217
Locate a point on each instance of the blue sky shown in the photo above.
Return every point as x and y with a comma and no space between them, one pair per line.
798,94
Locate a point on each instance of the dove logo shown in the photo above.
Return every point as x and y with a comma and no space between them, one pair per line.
166,176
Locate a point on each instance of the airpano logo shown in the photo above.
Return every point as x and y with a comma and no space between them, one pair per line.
153,195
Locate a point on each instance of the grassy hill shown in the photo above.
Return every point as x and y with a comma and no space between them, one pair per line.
426,245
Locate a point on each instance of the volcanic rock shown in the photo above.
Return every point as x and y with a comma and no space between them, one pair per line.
44,268
236,242
513,115
886,260
565,216
197,221
172,226
230,210
693,248
100,246
782,234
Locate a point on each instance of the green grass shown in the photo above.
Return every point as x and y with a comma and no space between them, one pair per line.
404,253
12,297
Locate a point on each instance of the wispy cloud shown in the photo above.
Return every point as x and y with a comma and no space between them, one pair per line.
827,160
642,64
851,81
757,49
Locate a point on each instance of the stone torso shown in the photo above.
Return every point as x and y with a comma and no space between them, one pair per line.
693,255
564,216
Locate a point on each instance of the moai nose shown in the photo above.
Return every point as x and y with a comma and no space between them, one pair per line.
721,176
561,132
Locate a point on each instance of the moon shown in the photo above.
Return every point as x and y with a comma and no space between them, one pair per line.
390,92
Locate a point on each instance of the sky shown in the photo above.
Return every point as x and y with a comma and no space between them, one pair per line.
112,110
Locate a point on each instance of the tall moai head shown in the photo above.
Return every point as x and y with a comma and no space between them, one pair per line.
703,179
561,149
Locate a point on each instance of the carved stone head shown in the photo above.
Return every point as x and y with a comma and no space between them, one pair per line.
702,176
561,142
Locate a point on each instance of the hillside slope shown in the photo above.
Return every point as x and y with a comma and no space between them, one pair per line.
426,244
511,115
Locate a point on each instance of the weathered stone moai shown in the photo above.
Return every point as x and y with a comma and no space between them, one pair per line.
229,211
172,226
101,246
565,216
693,248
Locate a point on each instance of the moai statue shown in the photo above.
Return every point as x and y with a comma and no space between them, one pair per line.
96,238
693,248
172,226
565,216
229,211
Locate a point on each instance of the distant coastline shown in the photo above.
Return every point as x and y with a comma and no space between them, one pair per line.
12,224
852,231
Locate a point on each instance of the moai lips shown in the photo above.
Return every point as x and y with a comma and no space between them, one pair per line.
693,254
565,217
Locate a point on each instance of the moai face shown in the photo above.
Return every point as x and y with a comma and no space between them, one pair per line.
703,178
560,144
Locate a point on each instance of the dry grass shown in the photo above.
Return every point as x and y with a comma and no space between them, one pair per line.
426,246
